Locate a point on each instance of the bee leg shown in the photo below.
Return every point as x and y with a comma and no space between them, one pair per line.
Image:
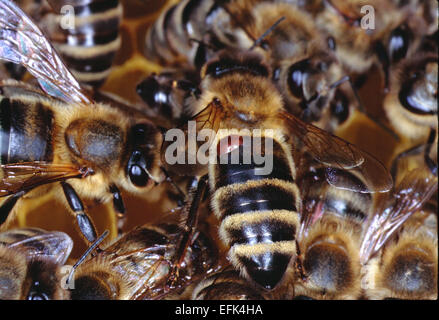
8,205
406,153
428,160
119,207
87,228
181,194
196,195
299,264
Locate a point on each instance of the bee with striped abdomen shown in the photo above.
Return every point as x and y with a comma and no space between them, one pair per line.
30,261
88,46
306,69
339,232
62,135
259,208
169,40
330,237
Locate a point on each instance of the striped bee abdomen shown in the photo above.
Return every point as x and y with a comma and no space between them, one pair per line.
344,204
259,213
26,131
168,41
89,46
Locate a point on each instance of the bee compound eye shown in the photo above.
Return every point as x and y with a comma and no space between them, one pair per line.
138,176
340,106
152,93
34,295
398,44
296,78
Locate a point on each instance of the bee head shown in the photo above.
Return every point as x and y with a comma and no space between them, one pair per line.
143,156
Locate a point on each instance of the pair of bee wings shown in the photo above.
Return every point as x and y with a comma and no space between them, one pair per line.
22,42
333,152
146,266
416,188
38,243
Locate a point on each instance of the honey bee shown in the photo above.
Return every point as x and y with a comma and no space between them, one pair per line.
260,211
84,32
336,234
387,37
164,94
169,40
226,285
330,237
30,261
403,266
411,107
138,265
64,136
306,70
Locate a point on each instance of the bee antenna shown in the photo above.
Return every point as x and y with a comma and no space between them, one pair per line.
266,33
86,253
202,42
361,106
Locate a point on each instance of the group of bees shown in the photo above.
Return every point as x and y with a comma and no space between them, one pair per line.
330,221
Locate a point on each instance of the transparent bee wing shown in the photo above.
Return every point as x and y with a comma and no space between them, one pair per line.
25,176
210,119
22,42
414,190
338,155
52,245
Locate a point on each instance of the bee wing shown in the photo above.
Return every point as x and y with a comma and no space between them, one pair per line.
206,121
145,269
53,245
338,155
25,176
414,190
22,42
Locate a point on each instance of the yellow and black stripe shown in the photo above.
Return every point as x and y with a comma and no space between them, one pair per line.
259,213
91,45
